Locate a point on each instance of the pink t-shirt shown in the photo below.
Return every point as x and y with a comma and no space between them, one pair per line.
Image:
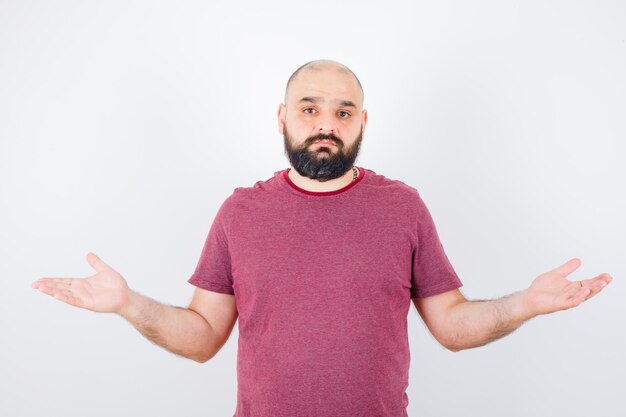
323,283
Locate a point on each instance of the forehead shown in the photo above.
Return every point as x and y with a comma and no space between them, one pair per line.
329,85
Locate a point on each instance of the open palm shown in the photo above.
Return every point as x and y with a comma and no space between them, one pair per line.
106,291
552,291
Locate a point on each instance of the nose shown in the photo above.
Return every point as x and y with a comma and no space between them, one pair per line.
326,124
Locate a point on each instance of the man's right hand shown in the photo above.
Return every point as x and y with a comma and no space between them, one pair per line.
105,292
197,332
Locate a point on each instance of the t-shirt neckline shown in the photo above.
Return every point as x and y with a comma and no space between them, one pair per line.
324,193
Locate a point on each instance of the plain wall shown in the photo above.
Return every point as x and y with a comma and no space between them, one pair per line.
124,125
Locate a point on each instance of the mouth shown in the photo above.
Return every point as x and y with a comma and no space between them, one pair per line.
325,143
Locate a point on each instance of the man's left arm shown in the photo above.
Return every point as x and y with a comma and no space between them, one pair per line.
458,323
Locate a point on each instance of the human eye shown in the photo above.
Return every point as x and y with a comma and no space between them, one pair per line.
344,114
307,110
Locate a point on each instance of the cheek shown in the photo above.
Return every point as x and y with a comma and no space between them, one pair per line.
351,131
301,123
300,129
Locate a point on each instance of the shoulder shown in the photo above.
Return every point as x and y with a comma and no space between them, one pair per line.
247,197
390,188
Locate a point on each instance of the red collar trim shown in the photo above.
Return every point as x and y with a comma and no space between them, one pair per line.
322,193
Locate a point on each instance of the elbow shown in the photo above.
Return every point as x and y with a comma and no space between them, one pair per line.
452,345
453,348
452,340
458,345
202,357
206,351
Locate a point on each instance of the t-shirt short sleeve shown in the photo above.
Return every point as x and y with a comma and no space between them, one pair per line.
432,273
213,271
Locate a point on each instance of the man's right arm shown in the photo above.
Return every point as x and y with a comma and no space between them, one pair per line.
197,332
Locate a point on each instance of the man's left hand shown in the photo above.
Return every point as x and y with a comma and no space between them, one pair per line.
552,291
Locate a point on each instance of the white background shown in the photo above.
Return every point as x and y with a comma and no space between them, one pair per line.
124,125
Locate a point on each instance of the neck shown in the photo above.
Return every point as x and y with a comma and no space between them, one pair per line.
318,186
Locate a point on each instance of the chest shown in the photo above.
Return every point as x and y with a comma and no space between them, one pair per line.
320,251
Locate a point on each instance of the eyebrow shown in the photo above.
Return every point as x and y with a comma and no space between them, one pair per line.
342,103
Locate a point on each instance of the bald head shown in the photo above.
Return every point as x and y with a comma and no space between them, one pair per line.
319,66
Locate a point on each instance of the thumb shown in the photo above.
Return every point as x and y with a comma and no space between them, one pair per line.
568,267
96,263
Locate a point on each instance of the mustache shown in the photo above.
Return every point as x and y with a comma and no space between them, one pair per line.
324,136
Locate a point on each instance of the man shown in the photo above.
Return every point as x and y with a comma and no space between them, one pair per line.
319,263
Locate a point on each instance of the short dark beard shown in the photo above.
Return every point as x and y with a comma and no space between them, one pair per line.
314,165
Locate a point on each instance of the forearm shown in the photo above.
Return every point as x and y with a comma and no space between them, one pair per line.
461,324
476,323
179,330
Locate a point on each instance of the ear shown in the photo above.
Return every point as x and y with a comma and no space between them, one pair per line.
363,121
282,114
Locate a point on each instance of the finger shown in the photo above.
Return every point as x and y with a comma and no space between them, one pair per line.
571,295
582,295
54,283
96,263
577,296
600,280
68,295
572,290
57,282
68,298
49,285
568,267
51,288
597,284
49,281
590,287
